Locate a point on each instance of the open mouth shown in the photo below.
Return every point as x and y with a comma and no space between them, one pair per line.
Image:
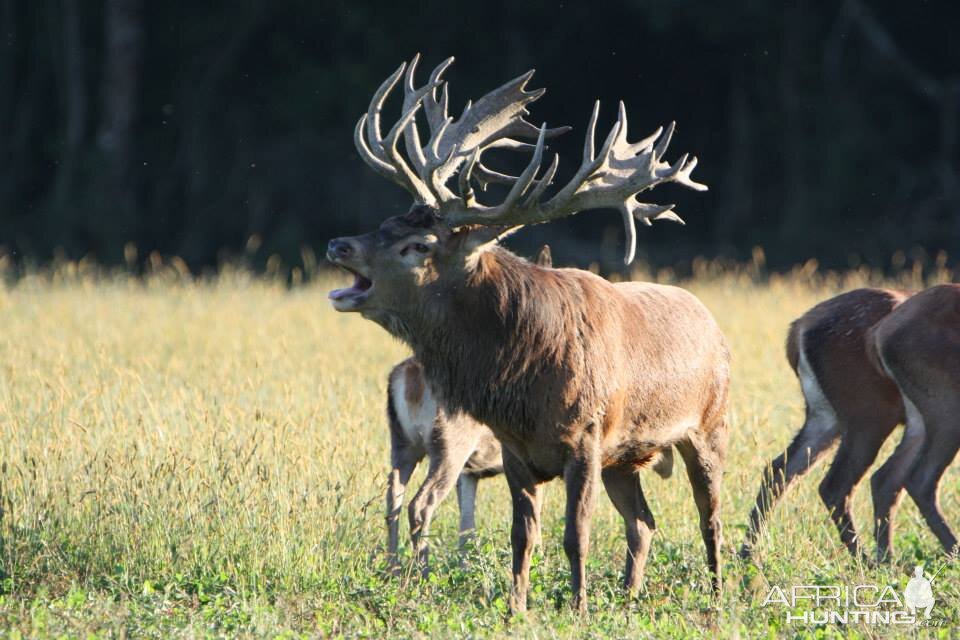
350,296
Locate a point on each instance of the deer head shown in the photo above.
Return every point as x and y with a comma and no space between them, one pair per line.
438,241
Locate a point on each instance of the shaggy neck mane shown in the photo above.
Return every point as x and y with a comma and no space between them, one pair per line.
499,334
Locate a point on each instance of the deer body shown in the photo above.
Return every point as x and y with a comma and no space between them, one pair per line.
585,380
847,400
918,346
551,351
868,360
577,377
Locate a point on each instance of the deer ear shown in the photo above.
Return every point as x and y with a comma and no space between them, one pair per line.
475,238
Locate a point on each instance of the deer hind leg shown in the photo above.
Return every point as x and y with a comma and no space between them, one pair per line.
452,442
942,439
819,431
467,501
704,461
887,483
817,435
527,496
858,449
623,487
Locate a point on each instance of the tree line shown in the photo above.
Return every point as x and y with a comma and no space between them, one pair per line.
824,128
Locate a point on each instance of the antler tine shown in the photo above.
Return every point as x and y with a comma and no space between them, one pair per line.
646,143
466,191
528,175
543,182
683,176
412,98
381,153
487,176
367,154
664,142
588,138
630,233
622,120
412,140
434,144
375,108
647,212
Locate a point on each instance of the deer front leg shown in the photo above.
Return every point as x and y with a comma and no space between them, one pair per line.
452,442
467,499
581,476
526,494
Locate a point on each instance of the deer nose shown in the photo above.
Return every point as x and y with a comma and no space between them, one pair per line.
339,249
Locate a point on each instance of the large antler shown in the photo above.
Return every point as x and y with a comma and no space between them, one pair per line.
610,179
493,121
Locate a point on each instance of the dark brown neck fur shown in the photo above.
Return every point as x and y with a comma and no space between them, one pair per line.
489,342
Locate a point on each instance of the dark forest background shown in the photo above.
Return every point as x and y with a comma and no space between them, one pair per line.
824,128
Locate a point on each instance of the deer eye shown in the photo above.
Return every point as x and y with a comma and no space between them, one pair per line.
419,247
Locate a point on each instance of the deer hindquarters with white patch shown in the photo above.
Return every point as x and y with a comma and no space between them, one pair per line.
868,360
460,450
578,378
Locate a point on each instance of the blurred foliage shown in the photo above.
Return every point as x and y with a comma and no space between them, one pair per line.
825,128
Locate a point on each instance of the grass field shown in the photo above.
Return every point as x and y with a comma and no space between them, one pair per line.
208,458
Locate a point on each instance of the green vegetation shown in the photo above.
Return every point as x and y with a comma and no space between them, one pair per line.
208,458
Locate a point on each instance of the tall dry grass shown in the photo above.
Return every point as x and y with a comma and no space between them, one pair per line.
199,456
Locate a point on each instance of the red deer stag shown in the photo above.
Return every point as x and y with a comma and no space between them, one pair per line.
576,377
918,346
462,452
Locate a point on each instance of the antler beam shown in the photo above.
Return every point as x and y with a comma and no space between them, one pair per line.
610,179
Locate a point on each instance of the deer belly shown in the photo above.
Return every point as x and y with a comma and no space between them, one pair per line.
638,446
